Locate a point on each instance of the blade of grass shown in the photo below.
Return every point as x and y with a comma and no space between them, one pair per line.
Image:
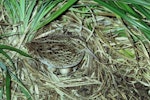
22,9
14,49
29,10
11,8
8,82
128,9
10,76
42,12
139,2
144,11
8,86
44,9
8,57
138,22
57,13
21,86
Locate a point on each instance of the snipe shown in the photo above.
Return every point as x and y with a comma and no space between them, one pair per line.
57,51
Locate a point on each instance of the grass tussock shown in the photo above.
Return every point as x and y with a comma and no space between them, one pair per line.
116,68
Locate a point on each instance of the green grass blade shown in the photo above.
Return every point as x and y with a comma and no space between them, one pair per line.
10,75
11,7
44,9
143,11
128,9
2,47
138,2
8,57
29,11
22,9
57,13
14,49
8,86
22,87
135,22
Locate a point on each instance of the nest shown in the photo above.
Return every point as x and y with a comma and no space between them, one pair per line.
105,73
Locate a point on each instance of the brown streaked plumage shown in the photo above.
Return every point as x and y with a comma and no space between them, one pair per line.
57,51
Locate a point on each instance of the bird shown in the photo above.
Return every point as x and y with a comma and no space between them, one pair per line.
61,51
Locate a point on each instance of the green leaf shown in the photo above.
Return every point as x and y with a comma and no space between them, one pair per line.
144,11
8,57
22,87
57,13
136,22
128,9
9,76
138,2
29,11
14,49
127,52
8,86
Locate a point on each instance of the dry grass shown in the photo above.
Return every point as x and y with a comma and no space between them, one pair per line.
120,72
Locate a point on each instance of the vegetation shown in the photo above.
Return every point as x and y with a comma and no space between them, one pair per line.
116,31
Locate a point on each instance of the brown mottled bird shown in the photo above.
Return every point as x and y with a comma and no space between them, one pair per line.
57,51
